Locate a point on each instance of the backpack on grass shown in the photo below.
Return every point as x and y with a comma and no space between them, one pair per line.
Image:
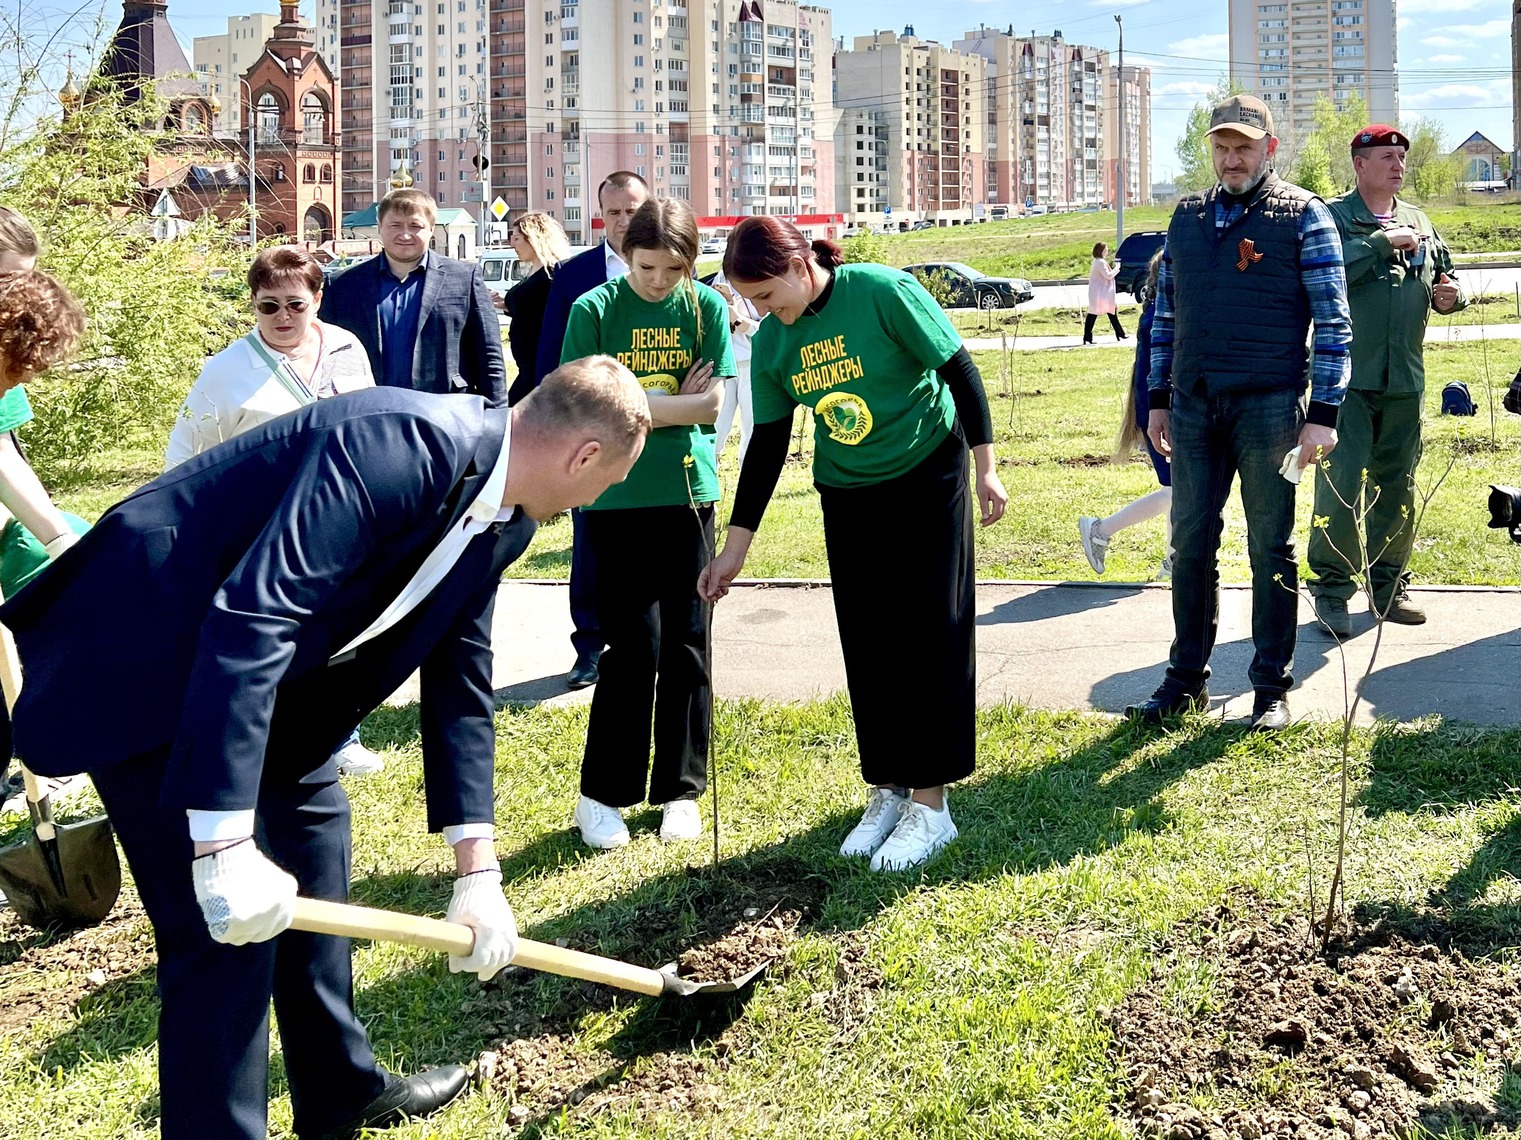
1456,401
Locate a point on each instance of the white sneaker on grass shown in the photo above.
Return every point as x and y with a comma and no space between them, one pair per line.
921,832
1095,544
877,823
601,826
354,759
680,820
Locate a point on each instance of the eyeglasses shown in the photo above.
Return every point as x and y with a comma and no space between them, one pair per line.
269,306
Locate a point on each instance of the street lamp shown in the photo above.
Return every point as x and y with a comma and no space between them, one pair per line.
253,216
1119,170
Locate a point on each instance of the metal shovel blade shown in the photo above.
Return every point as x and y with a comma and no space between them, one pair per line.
680,987
69,880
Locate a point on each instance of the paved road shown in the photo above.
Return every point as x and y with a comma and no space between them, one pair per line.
1068,646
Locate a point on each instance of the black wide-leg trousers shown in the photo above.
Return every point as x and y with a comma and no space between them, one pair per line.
901,562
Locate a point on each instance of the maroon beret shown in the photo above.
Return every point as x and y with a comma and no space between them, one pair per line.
1379,134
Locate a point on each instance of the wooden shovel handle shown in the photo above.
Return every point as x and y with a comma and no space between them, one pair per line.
321,917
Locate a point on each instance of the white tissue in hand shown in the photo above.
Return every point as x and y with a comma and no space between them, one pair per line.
1290,469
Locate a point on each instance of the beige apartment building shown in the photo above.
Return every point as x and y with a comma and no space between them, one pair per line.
223,59
1135,161
723,103
1289,51
412,88
1048,144
912,131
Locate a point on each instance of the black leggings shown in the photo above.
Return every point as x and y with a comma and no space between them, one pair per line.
1088,327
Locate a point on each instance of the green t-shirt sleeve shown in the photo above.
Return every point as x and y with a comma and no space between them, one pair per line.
15,409
769,398
583,334
913,319
716,343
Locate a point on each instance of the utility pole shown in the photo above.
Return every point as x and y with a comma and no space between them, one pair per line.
253,178
1124,150
797,154
482,163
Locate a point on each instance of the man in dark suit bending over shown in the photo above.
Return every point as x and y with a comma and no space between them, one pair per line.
233,620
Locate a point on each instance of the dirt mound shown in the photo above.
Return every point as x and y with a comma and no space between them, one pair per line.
1390,1030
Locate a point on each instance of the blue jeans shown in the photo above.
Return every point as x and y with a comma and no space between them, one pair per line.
1214,438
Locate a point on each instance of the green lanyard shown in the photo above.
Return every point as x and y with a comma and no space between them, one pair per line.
284,373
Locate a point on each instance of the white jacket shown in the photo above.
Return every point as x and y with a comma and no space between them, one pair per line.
236,391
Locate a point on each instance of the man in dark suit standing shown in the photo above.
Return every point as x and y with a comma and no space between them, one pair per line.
232,620
427,322
618,197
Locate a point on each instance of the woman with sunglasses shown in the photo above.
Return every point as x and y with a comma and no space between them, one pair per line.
289,360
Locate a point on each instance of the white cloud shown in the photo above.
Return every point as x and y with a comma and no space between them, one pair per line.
1441,7
1117,3
1403,22
1460,96
1202,47
1185,87
1446,59
1441,41
1456,34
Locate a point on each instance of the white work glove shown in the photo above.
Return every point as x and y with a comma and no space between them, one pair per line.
65,540
478,903
243,896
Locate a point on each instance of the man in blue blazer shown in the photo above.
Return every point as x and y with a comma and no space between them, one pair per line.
618,197
230,622
427,321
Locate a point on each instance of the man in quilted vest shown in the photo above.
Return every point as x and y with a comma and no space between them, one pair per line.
1249,266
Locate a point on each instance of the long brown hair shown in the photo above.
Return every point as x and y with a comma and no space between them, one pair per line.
668,225
1130,435
762,247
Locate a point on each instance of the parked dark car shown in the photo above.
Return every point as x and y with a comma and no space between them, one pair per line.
968,288
1133,256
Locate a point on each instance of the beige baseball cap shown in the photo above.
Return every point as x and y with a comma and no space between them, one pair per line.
1246,114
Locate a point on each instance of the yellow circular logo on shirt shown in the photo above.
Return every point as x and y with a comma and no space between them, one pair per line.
846,416
661,382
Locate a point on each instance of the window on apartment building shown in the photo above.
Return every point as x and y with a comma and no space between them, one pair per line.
638,17
440,175
462,70
639,61
549,17
639,42
441,29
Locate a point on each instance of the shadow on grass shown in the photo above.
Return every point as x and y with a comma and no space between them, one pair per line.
1043,815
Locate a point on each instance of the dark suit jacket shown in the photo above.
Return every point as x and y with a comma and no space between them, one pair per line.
459,342
201,611
525,303
581,274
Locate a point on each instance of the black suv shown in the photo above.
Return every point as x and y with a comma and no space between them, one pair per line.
965,287
1133,256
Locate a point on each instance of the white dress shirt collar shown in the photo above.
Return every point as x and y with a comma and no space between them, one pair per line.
616,266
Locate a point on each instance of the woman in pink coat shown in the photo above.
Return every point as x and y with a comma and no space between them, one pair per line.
1101,293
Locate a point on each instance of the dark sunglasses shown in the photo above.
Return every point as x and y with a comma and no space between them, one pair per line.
269,307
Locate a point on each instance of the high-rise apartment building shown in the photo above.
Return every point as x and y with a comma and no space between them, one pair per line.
724,103
223,60
1288,52
1045,118
409,112
1134,159
927,104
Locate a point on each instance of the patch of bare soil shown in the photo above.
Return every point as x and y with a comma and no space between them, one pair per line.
727,926
1390,1031
1085,461
46,975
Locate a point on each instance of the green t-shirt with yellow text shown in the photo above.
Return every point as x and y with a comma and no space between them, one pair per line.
657,342
866,366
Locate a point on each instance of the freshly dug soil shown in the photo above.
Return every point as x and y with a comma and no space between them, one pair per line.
1390,1030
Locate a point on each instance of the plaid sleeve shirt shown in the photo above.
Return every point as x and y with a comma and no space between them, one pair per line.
1324,280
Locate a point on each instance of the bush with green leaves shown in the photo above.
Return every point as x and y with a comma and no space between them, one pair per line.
155,309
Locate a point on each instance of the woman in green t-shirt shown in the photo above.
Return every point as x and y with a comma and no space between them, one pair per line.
653,533
897,403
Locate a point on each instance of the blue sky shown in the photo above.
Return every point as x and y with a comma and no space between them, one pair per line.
1454,55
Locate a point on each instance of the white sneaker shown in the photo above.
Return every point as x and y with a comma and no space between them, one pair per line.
601,826
877,823
1095,545
354,759
680,820
920,833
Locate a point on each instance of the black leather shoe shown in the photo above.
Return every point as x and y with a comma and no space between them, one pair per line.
1168,702
421,1094
1270,712
583,674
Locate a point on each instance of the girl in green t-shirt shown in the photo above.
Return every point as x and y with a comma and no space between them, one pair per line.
897,403
653,533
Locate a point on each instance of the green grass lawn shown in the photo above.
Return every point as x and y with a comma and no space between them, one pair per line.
1055,421
966,1000
1060,246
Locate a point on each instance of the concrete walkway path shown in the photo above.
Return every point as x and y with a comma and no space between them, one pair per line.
1070,646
